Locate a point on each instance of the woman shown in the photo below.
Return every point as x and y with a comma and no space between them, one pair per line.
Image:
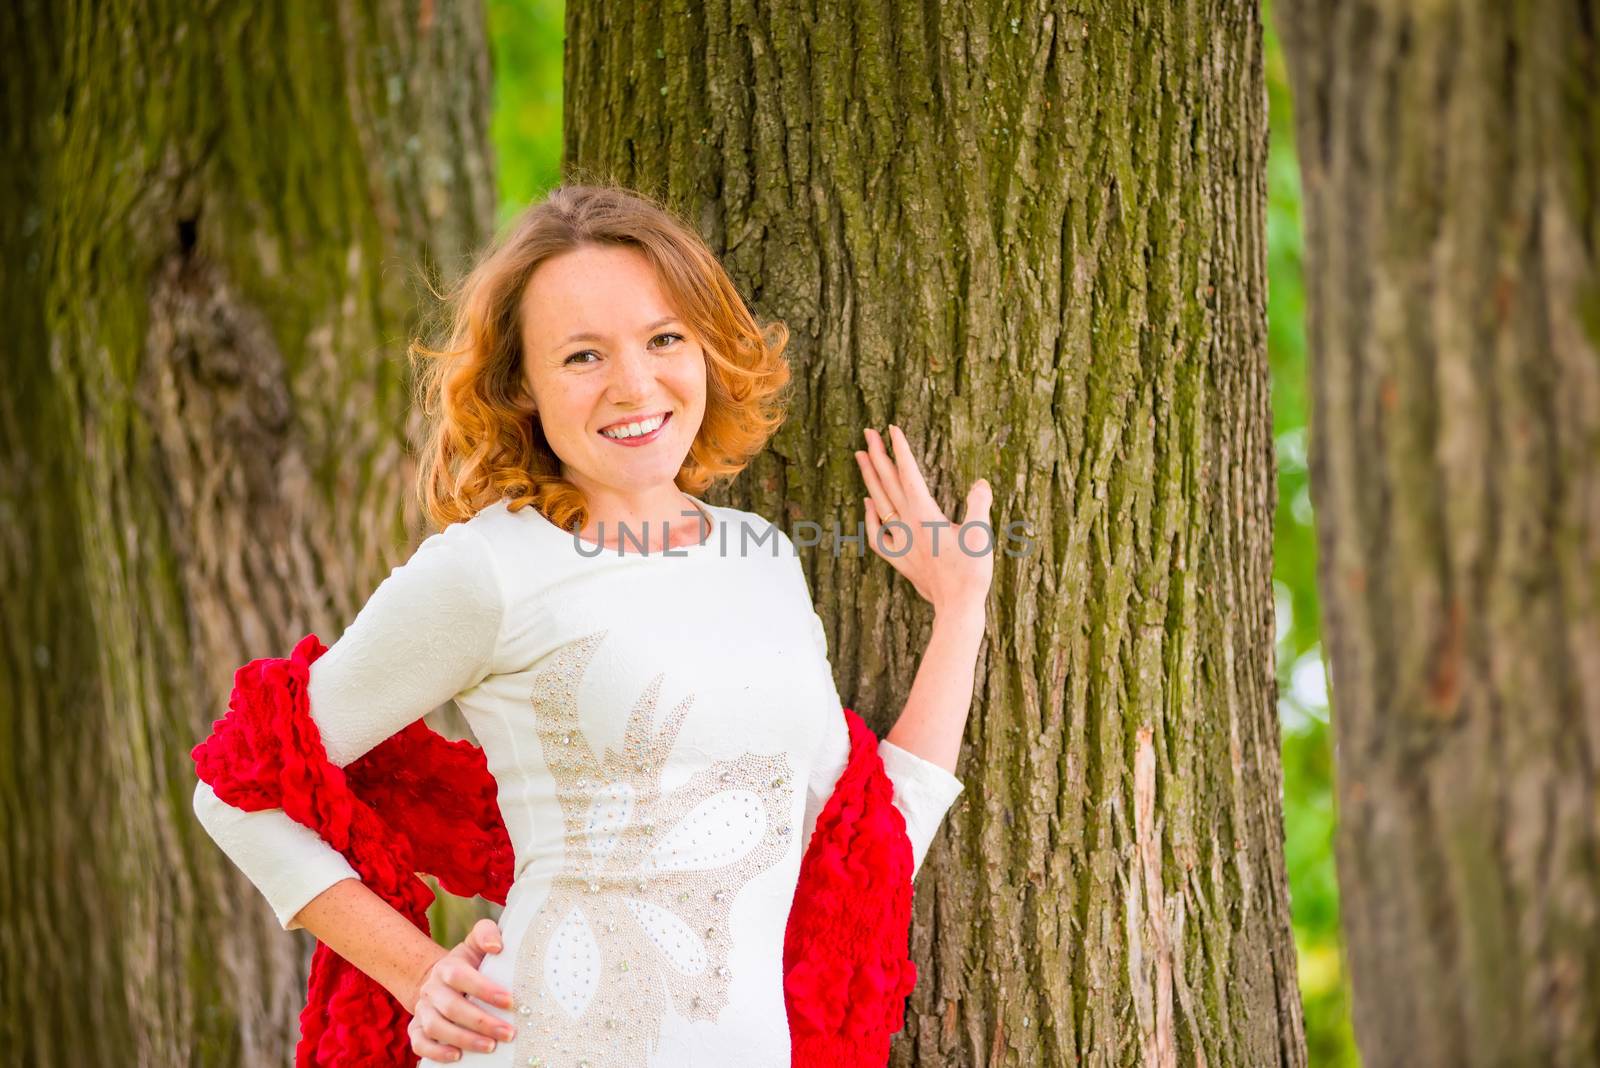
644,671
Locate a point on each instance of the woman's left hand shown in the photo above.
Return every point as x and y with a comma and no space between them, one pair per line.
944,563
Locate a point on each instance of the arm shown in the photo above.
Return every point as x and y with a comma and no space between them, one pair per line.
935,716
368,932
427,633
309,884
288,863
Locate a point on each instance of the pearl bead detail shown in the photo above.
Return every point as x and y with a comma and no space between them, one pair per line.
617,942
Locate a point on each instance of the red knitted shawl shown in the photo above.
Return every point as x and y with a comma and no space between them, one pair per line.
419,803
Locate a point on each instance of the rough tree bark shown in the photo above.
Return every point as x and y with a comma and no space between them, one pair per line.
214,219
1451,160
1034,239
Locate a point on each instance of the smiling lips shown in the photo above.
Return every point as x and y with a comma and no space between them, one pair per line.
637,432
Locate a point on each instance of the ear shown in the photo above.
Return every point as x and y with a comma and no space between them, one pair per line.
522,399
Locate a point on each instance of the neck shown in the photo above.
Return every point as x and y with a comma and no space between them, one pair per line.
643,515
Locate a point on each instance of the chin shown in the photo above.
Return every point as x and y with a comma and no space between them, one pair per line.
640,479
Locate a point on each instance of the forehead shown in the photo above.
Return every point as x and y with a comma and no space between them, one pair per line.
595,289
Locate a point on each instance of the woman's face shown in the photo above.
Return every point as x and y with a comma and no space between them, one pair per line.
604,350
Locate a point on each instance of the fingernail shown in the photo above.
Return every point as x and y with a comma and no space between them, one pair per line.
494,947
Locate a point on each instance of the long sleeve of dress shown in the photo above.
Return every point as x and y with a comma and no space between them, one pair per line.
427,633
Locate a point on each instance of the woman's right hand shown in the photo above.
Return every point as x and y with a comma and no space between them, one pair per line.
443,1021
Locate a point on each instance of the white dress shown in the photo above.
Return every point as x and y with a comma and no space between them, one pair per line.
664,729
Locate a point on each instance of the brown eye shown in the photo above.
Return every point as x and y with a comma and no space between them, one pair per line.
658,337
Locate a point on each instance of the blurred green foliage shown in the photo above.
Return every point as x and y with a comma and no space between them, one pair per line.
1302,684
527,37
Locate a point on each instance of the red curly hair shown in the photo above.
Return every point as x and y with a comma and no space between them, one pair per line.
481,446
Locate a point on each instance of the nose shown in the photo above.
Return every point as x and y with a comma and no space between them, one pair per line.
632,378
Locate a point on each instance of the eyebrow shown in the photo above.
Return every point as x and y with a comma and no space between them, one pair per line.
596,337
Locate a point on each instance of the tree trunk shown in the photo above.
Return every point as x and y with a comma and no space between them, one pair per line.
215,219
1451,160
1035,242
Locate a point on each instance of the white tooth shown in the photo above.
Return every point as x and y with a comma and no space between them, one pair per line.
633,430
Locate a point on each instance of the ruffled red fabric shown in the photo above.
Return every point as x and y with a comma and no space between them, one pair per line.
420,803
845,971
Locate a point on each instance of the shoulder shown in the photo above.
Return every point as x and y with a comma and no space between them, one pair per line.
765,551
487,522
458,562
750,534
442,603
488,533
466,541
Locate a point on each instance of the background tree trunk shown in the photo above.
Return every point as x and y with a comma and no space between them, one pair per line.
1035,242
209,260
1451,161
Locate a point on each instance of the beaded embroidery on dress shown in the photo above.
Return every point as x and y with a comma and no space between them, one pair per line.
639,914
